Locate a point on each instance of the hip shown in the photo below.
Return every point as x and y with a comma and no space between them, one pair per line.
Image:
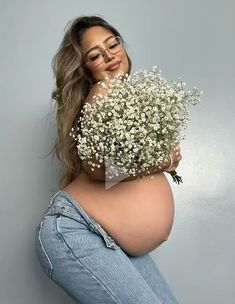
78,255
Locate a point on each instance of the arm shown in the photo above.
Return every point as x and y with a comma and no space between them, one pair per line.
99,173
171,164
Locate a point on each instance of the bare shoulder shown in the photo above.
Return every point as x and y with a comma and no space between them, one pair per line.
95,90
99,173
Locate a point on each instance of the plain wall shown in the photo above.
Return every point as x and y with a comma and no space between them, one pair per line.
193,40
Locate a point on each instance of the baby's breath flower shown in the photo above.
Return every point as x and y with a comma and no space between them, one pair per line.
136,124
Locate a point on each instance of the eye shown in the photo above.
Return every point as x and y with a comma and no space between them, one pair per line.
93,57
112,46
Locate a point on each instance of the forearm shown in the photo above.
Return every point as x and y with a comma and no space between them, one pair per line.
98,174
150,170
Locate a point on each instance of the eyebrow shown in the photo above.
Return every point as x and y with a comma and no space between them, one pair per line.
97,46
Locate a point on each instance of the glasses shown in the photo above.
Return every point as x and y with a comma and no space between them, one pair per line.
96,57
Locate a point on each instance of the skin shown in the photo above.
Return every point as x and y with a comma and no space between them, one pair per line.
147,226
96,35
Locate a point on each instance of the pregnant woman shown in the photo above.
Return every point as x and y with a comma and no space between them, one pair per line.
92,241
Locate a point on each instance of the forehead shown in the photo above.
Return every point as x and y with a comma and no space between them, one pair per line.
95,36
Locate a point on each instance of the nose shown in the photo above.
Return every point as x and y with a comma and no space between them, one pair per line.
107,55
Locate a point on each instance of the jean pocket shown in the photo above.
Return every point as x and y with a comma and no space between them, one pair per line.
41,252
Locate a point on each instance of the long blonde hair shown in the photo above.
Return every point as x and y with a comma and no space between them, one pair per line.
73,82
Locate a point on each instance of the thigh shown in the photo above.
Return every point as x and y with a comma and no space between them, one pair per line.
88,270
152,275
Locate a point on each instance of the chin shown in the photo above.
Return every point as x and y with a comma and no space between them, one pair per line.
121,69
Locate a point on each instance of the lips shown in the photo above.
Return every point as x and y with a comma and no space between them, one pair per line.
113,66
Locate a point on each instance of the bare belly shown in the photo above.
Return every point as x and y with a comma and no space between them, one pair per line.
137,214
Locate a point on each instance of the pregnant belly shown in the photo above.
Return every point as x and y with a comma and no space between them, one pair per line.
137,214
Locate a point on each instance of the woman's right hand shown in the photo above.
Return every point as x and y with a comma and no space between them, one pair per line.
176,157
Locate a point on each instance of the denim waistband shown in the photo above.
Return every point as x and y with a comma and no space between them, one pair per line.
63,203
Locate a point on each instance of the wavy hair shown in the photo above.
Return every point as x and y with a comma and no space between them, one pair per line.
73,82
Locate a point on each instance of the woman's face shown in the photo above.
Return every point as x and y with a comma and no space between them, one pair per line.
98,37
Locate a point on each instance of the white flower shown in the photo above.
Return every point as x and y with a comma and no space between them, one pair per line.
137,124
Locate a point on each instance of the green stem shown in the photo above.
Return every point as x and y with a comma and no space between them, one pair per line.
176,178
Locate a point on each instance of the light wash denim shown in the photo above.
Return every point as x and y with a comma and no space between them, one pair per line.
77,254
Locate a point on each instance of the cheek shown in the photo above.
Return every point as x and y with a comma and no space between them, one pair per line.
124,58
123,54
94,70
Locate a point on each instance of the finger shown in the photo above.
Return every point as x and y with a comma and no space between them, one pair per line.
172,168
177,152
179,157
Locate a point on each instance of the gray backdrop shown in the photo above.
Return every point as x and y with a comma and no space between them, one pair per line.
193,40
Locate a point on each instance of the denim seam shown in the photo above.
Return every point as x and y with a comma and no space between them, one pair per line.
52,199
44,250
79,262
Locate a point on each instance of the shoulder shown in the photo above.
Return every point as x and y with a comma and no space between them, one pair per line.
95,90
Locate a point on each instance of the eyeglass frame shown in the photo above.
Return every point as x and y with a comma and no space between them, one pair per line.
102,50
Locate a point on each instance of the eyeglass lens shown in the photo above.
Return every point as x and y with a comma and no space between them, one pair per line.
113,46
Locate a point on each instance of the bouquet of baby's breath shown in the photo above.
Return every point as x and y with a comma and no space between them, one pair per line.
136,125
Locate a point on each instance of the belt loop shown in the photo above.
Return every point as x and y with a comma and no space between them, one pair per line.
108,240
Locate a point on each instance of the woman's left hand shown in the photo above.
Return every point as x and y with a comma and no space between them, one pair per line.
176,157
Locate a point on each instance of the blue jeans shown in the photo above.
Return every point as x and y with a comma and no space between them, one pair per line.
77,254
